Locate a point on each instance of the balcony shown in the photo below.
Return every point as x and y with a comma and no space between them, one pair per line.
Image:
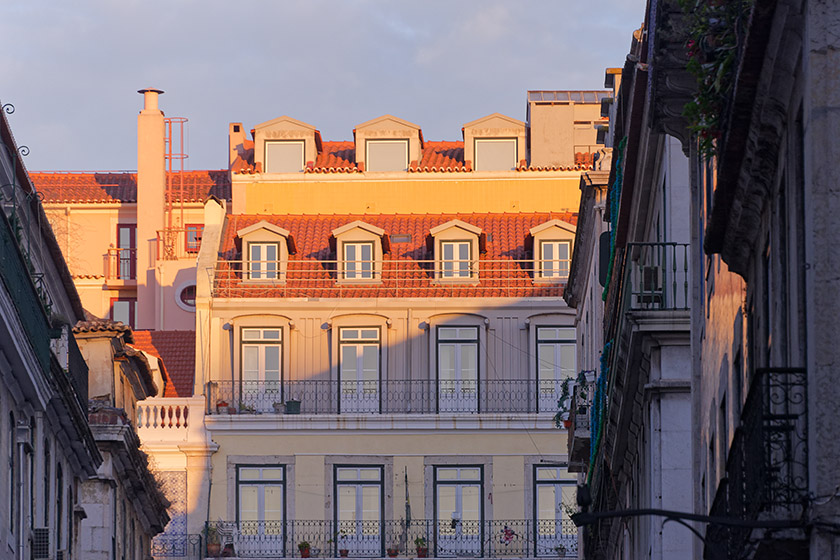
169,420
767,467
656,276
579,440
372,539
178,243
402,277
121,266
383,397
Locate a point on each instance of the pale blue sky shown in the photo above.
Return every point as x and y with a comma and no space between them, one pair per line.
71,69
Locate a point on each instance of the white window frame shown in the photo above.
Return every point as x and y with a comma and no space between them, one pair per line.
453,268
453,536
368,143
559,531
266,534
359,394
559,268
361,537
550,389
302,145
353,269
258,269
260,393
478,141
458,394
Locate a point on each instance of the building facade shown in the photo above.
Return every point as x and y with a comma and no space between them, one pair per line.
48,447
744,87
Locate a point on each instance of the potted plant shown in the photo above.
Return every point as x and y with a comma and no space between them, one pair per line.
560,550
393,551
293,406
279,407
245,408
303,547
221,406
422,547
343,552
214,547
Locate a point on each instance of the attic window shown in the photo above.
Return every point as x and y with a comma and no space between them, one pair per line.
495,154
236,128
386,155
401,238
284,156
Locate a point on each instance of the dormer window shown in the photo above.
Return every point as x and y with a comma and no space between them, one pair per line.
495,154
456,247
359,248
358,261
386,155
262,261
265,252
284,156
552,251
555,259
455,259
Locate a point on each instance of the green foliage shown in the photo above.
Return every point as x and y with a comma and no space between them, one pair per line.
715,29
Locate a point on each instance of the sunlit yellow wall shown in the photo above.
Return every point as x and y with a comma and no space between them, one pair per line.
391,193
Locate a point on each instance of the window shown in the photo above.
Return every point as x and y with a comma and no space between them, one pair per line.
556,363
358,261
126,251
261,367
260,509
455,259
262,261
554,498
13,496
457,369
495,154
358,511
284,156
386,155
47,482
554,259
59,505
192,237
124,310
186,298
359,373
458,510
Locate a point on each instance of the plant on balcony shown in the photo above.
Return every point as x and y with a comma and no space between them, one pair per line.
564,404
303,547
214,547
393,551
245,408
422,547
279,407
715,28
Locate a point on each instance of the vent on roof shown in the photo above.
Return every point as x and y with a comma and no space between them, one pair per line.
401,238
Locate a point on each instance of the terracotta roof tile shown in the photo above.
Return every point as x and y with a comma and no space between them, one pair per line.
103,325
120,187
507,240
177,351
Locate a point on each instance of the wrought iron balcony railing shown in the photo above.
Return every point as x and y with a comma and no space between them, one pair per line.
121,264
384,396
178,243
180,547
657,275
579,440
450,538
767,465
400,277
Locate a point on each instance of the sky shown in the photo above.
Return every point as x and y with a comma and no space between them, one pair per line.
72,69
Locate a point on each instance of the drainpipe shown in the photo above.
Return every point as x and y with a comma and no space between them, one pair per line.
229,328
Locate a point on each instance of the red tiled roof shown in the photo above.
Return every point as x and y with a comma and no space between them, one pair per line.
340,157
177,351
68,187
507,240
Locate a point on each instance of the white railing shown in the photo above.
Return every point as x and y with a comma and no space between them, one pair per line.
168,419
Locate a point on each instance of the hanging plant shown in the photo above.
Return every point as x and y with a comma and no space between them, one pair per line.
716,30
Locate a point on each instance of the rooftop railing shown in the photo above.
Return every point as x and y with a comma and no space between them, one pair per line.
383,397
390,278
449,538
178,243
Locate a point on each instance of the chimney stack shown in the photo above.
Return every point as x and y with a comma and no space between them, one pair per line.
151,204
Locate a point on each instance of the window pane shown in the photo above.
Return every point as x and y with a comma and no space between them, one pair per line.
469,333
248,503
271,334
250,334
348,363
370,474
470,474
272,474
387,155
273,502
567,360
446,361
120,311
349,334
370,334
495,154
346,503
470,507
249,474
468,361
272,363
283,157
548,474
370,363
348,474
447,333
250,363
370,503
546,506
546,355
447,474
